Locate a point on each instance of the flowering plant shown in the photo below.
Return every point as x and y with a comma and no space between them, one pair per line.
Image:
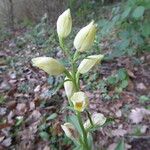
77,99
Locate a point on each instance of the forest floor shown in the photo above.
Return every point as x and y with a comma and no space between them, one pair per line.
30,116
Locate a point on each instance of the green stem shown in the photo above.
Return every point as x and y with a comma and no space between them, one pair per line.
86,146
75,81
66,52
89,116
68,74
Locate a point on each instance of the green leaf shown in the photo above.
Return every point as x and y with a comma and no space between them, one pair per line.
138,12
78,148
122,74
44,135
144,99
126,13
90,141
146,29
116,53
74,120
131,51
120,145
69,108
51,117
19,121
137,39
56,89
124,44
42,127
118,89
124,84
112,80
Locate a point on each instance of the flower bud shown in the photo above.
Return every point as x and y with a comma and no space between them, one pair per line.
87,63
80,101
69,88
70,130
85,37
49,65
98,119
64,24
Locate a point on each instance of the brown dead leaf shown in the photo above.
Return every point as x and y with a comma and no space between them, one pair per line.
21,108
144,129
118,113
7,142
37,89
46,147
5,125
10,116
11,105
119,132
130,73
130,85
12,81
32,105
5,86
141,86
57,130
35,116
138,114
1,138
2,111
12,91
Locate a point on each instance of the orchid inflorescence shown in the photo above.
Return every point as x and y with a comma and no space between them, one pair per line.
77,99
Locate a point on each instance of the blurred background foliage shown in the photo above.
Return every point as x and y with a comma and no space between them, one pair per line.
126,23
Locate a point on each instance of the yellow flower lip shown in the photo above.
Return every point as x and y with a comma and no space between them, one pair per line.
80,101
78,106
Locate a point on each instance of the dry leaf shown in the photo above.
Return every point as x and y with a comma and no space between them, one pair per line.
21,108
46,148
138,114
37,88
130,73
119,132
7,142
141,86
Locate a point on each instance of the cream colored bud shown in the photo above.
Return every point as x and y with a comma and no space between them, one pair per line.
49,65
98,119
64,24
85,37
69,88
87,63
80,101
70,130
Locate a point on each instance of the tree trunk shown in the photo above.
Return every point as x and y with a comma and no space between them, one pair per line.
46,9
11,15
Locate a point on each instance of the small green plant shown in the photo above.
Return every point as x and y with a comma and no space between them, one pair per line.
49,131
41,35
116,83
79,131
131,22
5,34
144,99
2,99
